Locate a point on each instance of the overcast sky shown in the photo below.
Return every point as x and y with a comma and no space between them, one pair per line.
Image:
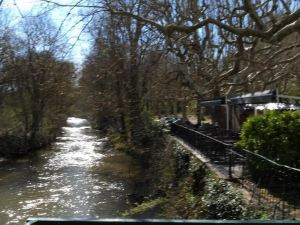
18,8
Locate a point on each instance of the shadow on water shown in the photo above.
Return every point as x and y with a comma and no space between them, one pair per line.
77,176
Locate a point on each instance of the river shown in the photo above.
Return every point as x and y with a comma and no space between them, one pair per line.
77,176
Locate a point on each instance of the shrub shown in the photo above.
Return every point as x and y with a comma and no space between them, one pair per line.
275,135
222,201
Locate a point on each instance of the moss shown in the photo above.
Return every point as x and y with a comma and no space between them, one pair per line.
118,141
147,208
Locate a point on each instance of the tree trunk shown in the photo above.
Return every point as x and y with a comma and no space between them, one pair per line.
35,126
199,111
136,123
184,109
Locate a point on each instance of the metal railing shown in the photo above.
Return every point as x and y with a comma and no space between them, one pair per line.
49,221
275,186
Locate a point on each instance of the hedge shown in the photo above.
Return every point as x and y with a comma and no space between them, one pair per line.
275,135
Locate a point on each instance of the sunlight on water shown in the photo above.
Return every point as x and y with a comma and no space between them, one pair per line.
78,147
73,121
61,181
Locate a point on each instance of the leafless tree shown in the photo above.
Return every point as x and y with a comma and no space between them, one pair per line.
230,29
36,84
219,47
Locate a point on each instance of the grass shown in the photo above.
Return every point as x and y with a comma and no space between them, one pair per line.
147,207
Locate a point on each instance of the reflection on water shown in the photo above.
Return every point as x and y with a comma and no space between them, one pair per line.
63,180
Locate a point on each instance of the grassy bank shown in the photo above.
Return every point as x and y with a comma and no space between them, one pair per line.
181,186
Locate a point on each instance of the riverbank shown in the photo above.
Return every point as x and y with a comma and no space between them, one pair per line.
16,144
183,187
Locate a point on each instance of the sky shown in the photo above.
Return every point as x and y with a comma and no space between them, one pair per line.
17,9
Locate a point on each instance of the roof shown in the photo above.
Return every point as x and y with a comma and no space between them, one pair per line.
276,106
213,101
261,97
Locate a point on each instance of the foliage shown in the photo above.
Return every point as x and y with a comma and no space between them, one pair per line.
275,135
118,140
194,193
222,201
199,173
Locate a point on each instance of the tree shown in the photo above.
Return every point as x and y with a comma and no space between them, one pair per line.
116,68
103,79
216,44
37,88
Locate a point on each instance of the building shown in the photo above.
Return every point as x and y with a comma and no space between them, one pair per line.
229,112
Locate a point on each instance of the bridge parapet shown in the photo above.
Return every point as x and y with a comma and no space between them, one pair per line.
57,221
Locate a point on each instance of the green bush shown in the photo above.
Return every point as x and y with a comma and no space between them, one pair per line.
222,201
275,135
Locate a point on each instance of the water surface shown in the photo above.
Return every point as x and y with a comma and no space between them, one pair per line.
75,177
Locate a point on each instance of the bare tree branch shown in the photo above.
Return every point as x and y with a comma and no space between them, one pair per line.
281,29
286,30
73,5
250,9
